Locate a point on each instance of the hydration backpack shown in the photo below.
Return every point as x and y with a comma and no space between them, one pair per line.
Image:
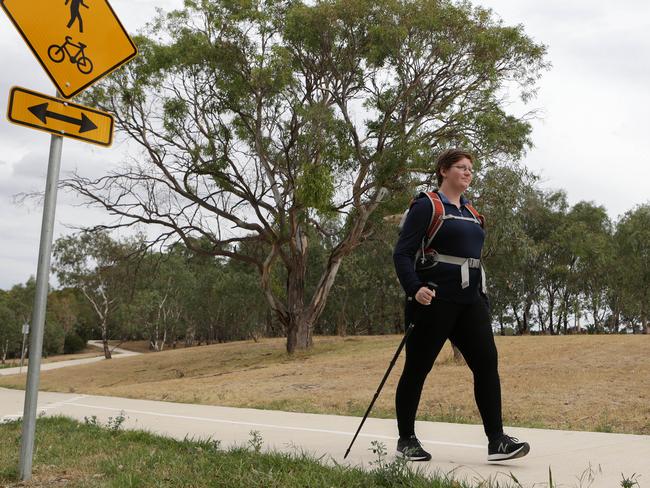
438,216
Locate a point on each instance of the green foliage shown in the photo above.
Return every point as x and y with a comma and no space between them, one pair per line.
315,187
73,344
114,424
630,481
395,472
15,310
256,441
174,113
96,265
633,256
367,298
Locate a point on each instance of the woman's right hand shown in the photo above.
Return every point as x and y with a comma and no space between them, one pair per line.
425,295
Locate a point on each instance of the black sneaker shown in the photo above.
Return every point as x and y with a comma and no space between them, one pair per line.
410,449
507,447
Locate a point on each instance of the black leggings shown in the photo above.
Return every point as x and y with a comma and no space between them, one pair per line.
468,327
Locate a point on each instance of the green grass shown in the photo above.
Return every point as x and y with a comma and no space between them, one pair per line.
86,454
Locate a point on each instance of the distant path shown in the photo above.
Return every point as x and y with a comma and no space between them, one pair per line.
459,449
116,350
119,353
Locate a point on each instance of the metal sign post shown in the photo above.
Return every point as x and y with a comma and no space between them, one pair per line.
38,313
22,351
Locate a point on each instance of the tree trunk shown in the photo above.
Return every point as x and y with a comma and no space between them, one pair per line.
299,328
518,320
341,320
297,316
164,339
644,313
107,351
299,336
551,307
525,327
540,318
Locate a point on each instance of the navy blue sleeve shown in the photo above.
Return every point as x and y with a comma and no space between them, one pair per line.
410,240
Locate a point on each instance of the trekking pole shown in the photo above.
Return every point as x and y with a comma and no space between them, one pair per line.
392,363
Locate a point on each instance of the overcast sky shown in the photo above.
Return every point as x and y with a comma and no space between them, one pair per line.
591,139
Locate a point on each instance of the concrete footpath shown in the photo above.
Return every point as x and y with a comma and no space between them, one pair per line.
576,459
117,354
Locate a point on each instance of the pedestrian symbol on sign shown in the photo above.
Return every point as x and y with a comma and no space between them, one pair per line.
75,14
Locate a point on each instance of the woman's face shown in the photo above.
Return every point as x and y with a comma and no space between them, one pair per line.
459,174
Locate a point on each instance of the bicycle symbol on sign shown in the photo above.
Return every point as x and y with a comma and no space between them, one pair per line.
57,54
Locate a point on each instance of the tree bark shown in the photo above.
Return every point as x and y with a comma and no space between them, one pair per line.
341,319
644,318
107,350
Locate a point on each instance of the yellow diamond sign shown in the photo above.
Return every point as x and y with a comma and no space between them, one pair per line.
60,117
76,41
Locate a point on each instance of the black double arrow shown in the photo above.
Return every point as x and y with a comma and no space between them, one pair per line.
42,113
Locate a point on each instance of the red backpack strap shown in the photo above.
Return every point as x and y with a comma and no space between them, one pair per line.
436,215
476,215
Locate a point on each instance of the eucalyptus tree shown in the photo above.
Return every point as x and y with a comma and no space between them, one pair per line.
367,297
156,307
10,328
501,194
522,285
19,300
633,239
61,319
261,121
96,265
592,234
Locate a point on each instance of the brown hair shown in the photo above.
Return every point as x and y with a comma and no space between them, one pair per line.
449,157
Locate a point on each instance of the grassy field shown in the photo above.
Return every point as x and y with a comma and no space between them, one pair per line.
75,455
595,383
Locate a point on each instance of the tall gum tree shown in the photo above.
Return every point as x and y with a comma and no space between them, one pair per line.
633,243
267,121
96,265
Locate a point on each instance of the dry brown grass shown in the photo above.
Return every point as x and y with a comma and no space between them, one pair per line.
569,382
88,352
141,346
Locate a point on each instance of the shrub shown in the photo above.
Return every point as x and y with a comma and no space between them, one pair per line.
73,343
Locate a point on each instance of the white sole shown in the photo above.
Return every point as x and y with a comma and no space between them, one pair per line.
411,458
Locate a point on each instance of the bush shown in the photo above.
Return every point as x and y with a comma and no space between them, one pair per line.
73,343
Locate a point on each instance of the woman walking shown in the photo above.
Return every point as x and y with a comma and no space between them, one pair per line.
437,259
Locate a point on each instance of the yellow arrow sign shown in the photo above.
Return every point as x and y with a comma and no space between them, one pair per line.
59,117
76,41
